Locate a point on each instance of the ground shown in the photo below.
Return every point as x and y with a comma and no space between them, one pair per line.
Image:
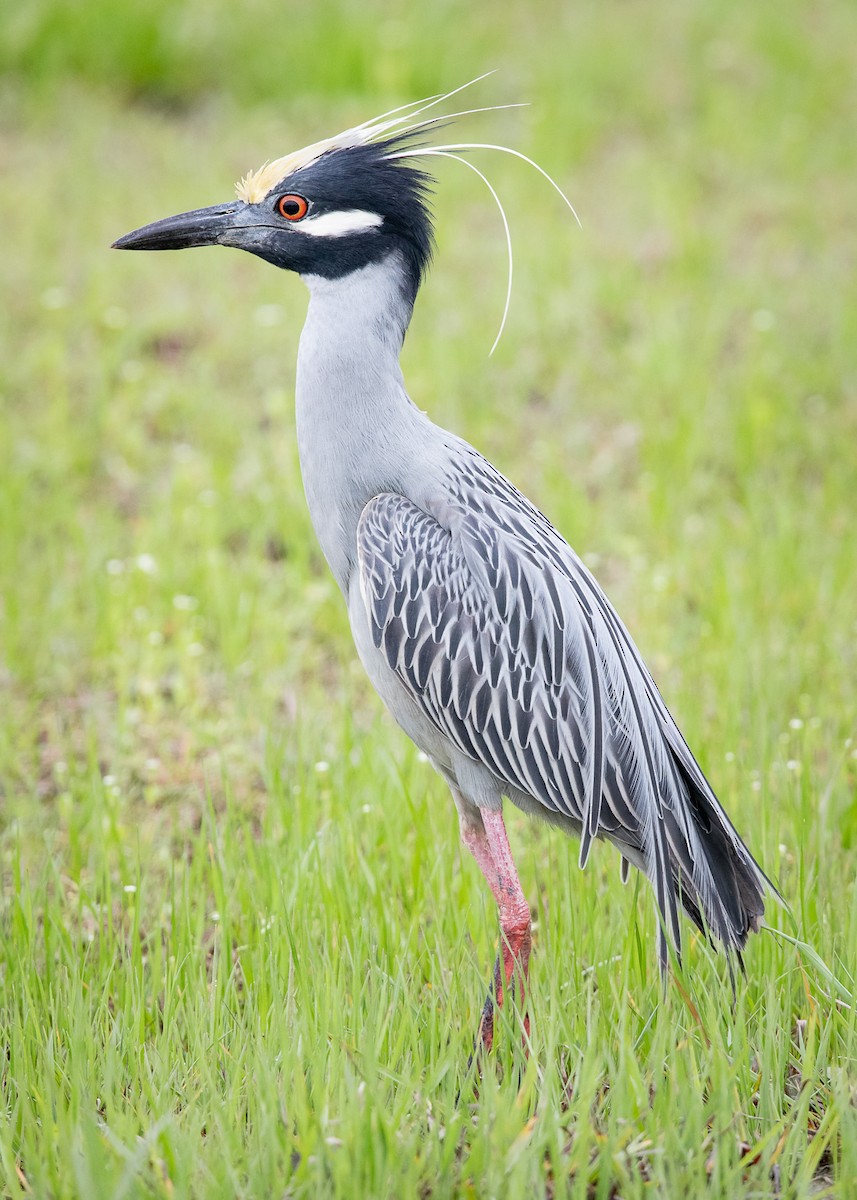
240,954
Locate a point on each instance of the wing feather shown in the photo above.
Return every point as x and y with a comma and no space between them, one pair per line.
509,647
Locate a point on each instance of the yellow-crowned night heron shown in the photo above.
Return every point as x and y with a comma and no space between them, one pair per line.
482,631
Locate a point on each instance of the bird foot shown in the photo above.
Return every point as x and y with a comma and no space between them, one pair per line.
485,1035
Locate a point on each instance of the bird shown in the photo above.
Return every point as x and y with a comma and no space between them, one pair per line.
483,632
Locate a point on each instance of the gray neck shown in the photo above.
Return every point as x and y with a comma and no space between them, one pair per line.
357,429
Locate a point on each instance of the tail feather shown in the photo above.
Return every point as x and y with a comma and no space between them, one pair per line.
736,905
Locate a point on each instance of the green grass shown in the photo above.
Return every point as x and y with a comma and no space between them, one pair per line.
239,952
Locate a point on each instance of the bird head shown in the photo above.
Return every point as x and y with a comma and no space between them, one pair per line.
343,203
327,210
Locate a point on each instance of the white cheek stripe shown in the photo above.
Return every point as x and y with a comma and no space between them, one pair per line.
337,224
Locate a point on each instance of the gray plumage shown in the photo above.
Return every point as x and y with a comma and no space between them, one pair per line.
487,637
483,632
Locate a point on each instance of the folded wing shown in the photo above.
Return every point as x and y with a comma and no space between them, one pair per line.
513,652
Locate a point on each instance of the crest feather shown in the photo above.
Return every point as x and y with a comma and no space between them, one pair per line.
256,185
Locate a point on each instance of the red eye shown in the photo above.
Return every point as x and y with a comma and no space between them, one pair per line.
292,207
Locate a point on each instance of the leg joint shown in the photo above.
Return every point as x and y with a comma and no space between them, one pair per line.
515,916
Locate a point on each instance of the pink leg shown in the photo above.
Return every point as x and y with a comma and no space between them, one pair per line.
489,845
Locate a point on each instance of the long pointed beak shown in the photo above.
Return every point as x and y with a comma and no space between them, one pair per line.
203,227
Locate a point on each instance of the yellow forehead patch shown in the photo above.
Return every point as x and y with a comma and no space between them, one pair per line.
256,184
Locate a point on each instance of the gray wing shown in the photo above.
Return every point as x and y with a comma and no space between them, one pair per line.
491,666
513,652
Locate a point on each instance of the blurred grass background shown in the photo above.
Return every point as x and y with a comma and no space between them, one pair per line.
238,953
